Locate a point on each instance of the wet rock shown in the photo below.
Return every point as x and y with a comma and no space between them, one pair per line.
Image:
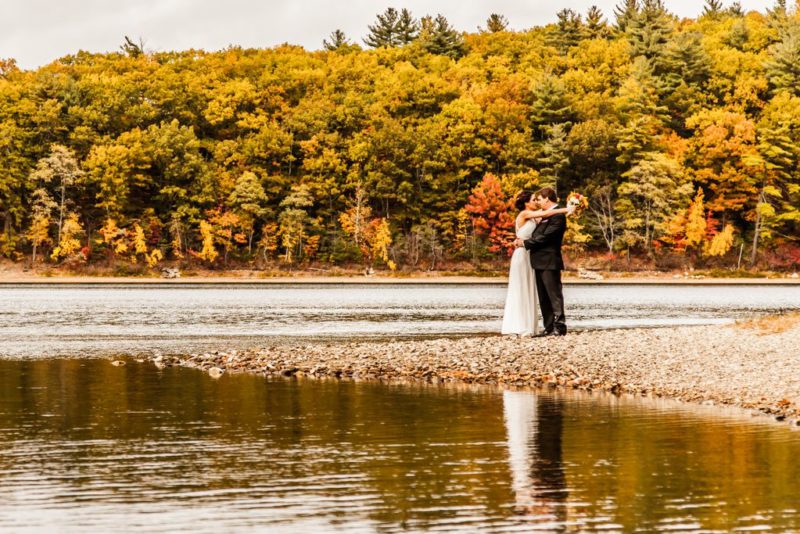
215,372
118,363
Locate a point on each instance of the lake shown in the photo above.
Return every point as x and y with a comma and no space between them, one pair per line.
89,320
89,447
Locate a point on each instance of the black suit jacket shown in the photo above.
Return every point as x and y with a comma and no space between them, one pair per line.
545,243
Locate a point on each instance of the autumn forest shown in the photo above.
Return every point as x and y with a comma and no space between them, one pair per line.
403,149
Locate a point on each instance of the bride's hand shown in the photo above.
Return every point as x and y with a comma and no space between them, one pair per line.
571,209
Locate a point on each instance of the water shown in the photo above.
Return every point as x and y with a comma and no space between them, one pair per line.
89,447
55,320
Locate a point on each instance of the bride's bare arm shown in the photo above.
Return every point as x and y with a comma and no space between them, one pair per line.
541,214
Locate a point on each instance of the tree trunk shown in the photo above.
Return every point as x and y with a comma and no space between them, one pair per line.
754,252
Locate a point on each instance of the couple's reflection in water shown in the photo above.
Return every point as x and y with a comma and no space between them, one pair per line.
534,429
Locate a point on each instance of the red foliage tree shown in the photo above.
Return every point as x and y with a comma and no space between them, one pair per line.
492,214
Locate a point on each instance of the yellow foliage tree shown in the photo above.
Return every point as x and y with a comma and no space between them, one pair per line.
208,252
696,221
70,238
381,239
721,243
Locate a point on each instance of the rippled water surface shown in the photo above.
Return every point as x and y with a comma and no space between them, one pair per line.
89,447
91,320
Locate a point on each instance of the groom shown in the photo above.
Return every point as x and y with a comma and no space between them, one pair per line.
545,250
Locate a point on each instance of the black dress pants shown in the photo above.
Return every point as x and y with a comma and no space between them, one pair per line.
551,300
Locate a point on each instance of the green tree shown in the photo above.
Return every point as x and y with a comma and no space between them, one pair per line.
438,37
496,23
596,26
385,30
625,13
337,41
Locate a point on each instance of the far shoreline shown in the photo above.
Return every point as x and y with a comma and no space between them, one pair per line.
33,279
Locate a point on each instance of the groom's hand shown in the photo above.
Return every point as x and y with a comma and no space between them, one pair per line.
518,243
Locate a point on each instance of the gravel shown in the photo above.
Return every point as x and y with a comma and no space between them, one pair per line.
722,365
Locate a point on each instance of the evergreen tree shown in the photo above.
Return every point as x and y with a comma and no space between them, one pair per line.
625,13
553,158
496,23
337,40
736,9
407,28
713,9
650,32
596,25
384,31
438,37
568,30
686,61
550,105
783,67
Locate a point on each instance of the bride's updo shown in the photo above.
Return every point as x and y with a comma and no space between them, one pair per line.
522,199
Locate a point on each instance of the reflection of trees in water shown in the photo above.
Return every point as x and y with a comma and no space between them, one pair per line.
534,426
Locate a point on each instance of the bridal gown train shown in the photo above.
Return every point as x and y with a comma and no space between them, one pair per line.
521,314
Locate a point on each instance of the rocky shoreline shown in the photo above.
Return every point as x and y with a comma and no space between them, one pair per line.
755,366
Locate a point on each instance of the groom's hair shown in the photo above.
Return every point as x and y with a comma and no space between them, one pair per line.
522,199
547,192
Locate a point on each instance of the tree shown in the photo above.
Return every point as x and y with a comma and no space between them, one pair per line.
713,9
496,23
568,30
385,30
248,199
596,26
783,65
491,214
553,158
438,37
625,13
338,40
61,168
652,192
294,221
70,238
407,27
649,32
131,48
39,231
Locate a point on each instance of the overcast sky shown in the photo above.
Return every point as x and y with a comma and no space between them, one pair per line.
36,32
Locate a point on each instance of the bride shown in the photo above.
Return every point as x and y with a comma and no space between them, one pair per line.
521,316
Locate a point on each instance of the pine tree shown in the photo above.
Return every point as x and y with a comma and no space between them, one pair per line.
783,67
438,37
736,9
625,13
568,30
650,32
384,31
407,28
713,9
550,105
596,25
337,40
496,23
553,158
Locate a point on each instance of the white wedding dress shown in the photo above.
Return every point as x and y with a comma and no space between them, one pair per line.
521,315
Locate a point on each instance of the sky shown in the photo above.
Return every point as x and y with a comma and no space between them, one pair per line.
36,32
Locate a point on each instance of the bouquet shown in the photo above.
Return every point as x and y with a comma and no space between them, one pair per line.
578,202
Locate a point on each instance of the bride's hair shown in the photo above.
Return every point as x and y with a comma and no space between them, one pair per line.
522,199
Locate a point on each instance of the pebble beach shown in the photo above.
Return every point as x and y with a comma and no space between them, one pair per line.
754,365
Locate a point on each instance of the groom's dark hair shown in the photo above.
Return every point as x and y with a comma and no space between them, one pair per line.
547,192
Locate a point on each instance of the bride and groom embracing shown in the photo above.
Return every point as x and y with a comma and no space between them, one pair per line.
536,266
